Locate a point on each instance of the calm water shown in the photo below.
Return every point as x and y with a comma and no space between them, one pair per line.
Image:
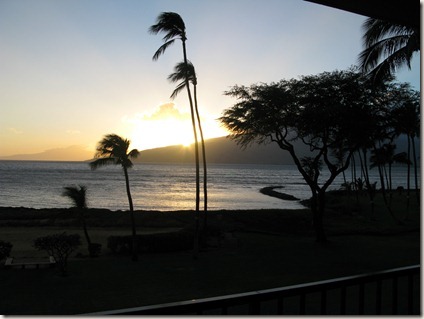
154,186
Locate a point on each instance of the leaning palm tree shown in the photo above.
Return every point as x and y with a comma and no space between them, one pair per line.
182,71
113,150
79,199
388,46
173,26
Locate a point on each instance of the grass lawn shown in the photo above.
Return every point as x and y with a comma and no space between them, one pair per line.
274,248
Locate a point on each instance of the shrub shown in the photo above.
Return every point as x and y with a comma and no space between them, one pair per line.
60,246
152,243
95,249
5,249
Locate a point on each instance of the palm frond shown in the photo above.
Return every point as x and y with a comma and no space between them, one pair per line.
388,46
162,49
78,196
182,71
181,86
134,153
375,30
169,22
103,161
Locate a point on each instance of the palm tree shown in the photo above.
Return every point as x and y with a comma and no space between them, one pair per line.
182,71
79,199
173,26
380,156
392,43
406,120
113,150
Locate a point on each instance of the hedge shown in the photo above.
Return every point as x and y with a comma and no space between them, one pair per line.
152,243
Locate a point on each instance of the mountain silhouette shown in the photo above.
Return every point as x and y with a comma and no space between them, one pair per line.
223,150
219,150
71,153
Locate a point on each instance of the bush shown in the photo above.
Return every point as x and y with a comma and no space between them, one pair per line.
152,243
94,249
60,246
5,249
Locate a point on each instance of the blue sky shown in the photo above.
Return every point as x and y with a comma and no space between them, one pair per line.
74,70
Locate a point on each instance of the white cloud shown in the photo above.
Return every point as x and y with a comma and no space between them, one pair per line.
166,111
15,131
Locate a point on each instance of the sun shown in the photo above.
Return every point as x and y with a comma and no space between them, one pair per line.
160,133
166,126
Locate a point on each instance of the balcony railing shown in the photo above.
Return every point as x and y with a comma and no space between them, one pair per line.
389,292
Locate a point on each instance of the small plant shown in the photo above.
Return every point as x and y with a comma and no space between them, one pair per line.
153,243
60,246
5,249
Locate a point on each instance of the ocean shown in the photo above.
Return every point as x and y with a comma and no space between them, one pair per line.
161,187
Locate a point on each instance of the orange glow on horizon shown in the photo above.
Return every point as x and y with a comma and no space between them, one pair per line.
168,126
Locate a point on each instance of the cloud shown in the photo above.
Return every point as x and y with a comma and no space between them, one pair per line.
163,112
166,111
15,131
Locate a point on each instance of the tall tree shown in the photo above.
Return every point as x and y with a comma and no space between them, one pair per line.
181,72
388,46
321,111
113,150
173,26
79,198
405,119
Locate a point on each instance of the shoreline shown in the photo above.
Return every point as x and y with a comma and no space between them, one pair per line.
269,190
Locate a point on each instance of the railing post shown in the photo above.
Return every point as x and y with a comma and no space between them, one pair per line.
410,294
343,300
280,306
255,307
323,302
224,310
395,293
361,298
378,297
302,304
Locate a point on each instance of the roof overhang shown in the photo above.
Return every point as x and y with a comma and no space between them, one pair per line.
405,12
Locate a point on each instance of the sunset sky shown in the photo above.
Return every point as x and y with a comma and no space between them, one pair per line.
72,71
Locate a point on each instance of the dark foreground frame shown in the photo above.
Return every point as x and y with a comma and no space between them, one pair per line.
395,292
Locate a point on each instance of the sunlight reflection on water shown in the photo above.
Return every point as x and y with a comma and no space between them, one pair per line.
153,186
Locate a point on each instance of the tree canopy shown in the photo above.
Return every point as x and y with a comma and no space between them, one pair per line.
333,113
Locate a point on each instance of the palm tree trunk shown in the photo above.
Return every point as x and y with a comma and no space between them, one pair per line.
134,235
370,190
408,181
354,181
205,174
196,151
84,226
417,194
318,217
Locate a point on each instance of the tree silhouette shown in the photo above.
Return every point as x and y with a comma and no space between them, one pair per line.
173,26
322,111
181,72
79,199
405,118
388,46
113,150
